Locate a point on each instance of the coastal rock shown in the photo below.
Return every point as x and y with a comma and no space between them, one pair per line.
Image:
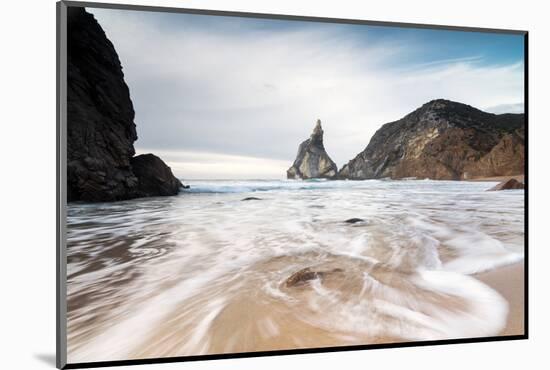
505,159
312,160
510,184
305,275
250,198
100,117
154,176
354,220
301,277
443,140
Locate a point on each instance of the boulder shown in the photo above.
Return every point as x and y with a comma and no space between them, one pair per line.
510,184
312,160
154,176
354,220
301,277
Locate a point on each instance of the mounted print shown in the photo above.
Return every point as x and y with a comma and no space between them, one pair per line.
235,184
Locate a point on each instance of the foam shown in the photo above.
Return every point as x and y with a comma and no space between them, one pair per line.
157,254
382,310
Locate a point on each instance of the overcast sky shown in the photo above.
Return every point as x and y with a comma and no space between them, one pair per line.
228,97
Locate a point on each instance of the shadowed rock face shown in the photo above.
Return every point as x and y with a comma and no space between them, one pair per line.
100,118
312,160
154,176
443,140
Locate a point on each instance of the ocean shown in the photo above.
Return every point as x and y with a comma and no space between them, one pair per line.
205,271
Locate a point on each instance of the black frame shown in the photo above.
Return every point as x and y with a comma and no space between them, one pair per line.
61,117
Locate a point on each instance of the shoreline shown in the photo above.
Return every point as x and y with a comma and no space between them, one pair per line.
508,281
520,178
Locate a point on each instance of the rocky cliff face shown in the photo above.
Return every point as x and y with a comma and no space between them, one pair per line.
443,140
100,118
312,160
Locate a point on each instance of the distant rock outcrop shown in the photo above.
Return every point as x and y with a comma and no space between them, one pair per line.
510,184
443,140
100,121
312,160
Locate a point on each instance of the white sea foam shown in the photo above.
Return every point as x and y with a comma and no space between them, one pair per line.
132,264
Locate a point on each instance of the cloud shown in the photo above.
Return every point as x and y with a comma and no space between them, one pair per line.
256,93
203,165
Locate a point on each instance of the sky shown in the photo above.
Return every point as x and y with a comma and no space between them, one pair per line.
232,97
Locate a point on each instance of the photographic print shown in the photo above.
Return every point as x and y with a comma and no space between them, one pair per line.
249,184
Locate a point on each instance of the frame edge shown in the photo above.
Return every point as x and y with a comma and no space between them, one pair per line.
287,17
61,175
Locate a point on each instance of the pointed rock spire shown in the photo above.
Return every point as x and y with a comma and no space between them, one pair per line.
312,160
317,134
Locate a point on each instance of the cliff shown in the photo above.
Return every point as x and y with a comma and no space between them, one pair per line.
443,140
312,161
100,120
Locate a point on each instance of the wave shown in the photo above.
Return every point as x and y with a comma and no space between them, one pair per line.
246,186
228,186
180,271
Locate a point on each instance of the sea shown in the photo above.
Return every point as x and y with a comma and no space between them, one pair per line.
206,271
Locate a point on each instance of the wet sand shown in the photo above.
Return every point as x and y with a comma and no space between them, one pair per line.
232,316
251,320
509,282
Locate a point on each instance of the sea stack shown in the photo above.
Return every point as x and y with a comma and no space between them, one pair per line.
312,161
100,123
443,140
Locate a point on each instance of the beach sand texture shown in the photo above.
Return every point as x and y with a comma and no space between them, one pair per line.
509,281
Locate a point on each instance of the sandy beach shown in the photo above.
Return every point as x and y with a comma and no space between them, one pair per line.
509,282
207,273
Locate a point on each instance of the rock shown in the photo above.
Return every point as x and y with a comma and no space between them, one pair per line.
505,159
154,176
443,140
100,117
250,198
312,161
302,276
354,220
508,185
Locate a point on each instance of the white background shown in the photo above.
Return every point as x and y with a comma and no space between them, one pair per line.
27,181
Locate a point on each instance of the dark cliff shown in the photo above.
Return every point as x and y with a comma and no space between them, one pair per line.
443,140
312,160
100,119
